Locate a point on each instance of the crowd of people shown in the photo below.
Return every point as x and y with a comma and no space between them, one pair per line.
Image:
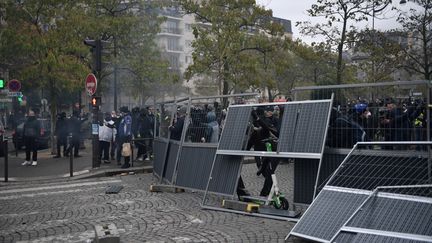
382,120
118,131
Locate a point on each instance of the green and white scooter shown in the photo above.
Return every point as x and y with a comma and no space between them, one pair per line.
275,198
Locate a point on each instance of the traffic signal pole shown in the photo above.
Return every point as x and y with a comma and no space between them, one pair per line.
95,133
96,49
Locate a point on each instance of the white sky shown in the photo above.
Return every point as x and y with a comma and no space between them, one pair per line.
295,10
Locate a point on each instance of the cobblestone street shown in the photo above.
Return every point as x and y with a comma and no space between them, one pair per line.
60,211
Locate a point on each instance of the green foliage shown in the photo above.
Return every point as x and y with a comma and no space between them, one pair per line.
233,40
378,55
42,43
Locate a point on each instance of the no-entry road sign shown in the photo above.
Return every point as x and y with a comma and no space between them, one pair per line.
14,85
91,84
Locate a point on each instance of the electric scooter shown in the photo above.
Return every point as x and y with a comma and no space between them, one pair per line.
275,198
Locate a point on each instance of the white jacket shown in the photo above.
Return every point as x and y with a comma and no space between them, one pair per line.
106,133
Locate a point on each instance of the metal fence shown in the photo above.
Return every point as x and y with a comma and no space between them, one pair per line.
184,158
375,195
390,111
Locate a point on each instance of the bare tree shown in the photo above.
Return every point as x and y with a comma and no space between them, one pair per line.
338,15
417,23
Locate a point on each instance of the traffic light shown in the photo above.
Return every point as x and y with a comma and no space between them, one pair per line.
97,47
20,98
96,101
2,83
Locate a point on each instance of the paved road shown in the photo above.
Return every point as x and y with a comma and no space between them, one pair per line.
66,211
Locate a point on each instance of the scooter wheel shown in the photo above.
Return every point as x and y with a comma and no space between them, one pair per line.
283,204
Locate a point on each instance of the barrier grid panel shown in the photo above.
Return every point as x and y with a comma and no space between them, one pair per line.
366,168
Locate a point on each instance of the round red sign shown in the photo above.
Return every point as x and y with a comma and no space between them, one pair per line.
14,85
91,84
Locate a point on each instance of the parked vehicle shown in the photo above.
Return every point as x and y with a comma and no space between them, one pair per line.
43,141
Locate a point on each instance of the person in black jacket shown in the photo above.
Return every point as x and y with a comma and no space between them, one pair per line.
32,130
177,128
61,131
74,128
146,128
265,128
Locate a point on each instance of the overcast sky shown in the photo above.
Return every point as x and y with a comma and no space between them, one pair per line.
295,10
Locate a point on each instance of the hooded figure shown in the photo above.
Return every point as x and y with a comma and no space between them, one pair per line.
212,130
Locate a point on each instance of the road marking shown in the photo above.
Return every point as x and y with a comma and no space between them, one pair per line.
58,187
45,193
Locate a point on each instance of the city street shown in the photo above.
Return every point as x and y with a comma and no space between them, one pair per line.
67,211
49,167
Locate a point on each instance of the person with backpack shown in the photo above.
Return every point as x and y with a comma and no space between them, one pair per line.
32,130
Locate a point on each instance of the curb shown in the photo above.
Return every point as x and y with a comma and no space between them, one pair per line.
83,174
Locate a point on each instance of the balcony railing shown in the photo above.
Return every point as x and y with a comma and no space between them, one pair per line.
171,30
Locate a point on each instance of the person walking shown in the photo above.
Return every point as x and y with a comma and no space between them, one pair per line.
32,130
107,133
61,134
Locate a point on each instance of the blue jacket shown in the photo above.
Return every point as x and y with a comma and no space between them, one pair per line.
125,127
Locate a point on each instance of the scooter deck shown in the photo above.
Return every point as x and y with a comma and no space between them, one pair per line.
253,198
279,212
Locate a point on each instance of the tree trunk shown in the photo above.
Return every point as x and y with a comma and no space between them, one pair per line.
340,51
53,112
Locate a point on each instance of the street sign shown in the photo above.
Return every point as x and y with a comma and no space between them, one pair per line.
14,94
91,84
14,85
44,101
5,100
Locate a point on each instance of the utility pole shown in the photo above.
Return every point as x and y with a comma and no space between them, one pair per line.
115,75
91,86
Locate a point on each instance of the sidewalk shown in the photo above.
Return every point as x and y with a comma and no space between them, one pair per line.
49,167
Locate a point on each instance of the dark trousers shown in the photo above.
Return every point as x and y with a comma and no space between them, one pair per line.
30,146
61,141
104,147
269,169
75,145
141,148
113,149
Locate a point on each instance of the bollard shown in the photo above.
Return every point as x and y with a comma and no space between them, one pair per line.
6,159
132,152
16,147
71,155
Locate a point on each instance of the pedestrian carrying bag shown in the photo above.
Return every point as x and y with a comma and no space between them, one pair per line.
126,150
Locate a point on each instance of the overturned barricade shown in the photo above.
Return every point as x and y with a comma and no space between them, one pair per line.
375,195
387,111
302,133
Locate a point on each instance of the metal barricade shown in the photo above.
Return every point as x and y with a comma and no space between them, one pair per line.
189,154
387,111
